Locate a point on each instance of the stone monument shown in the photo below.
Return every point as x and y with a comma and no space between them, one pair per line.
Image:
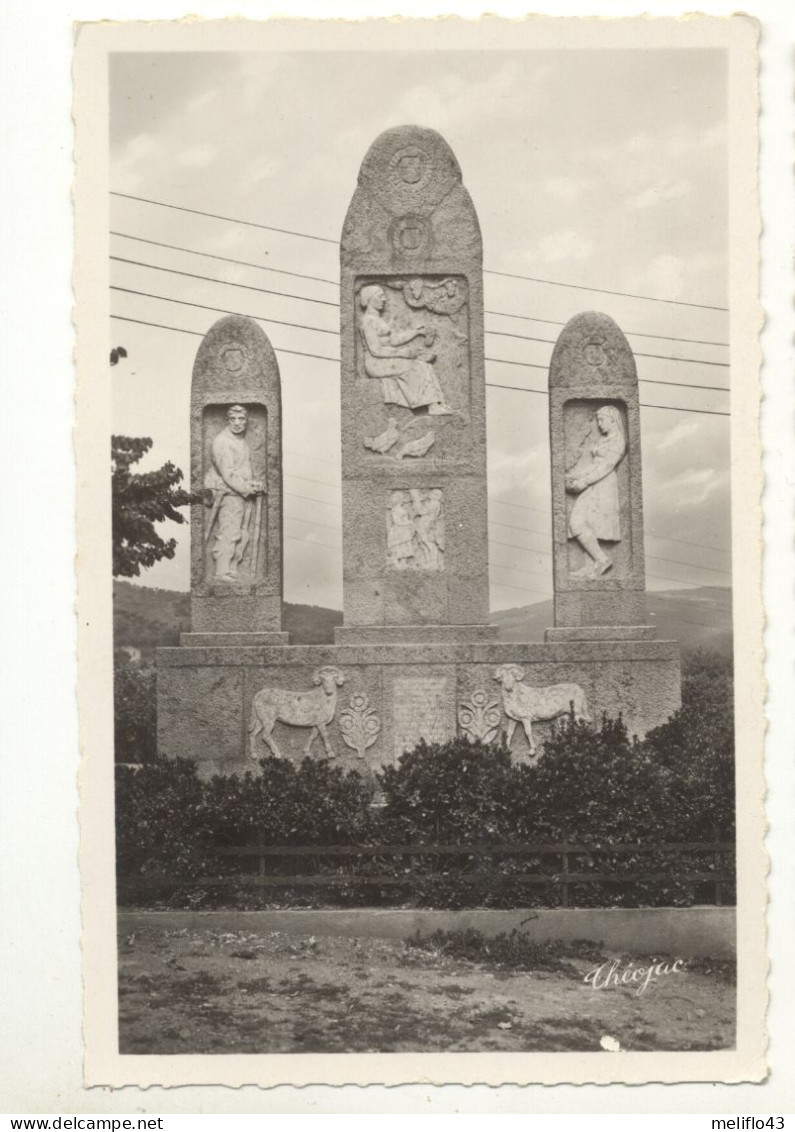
236,463
415,657
597,494
415,537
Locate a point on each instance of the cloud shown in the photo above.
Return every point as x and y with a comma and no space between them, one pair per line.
659,193
664,277
565,245
681,431
132,168
694,486
452,100
197,156
566,189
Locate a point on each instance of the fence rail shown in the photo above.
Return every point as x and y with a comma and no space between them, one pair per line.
562,873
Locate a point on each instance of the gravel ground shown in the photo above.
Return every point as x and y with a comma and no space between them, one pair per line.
203,991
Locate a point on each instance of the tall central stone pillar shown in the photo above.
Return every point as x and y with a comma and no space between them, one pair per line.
414,504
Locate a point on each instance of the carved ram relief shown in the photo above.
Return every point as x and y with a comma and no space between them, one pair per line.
526,705
314,709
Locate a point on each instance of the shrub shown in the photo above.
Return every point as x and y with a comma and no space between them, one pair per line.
455,793
313,803
589,784
161,827
696,749
134,711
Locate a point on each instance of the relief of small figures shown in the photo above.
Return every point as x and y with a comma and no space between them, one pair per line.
415,529
595,515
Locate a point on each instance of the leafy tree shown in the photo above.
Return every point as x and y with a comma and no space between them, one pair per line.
141,499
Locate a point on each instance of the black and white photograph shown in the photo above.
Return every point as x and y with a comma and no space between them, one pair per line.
419,590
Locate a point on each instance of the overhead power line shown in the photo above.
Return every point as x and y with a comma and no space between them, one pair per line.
225,282
631,333
221,310
228,219
335,283
605,291
226,259
321,329
488,271
637,353
496,385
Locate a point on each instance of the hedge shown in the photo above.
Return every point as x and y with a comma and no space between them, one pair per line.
592,784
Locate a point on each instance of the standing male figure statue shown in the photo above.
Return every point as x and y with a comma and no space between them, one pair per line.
233,494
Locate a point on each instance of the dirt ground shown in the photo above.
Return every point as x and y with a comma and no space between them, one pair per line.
183,991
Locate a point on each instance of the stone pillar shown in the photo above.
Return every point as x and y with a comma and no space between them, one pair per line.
414,505
236,465
597,494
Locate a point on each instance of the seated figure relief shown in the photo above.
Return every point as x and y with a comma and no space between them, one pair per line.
402,360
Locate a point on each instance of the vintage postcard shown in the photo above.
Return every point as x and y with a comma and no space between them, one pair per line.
419,552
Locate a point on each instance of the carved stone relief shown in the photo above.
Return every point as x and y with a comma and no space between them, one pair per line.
591,483
234,490
359,724
314,709
526,705
415,529
412,335
479,717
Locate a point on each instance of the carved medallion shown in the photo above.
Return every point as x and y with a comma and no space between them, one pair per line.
593,353
479,717
410,235
233,357
411,165
359,725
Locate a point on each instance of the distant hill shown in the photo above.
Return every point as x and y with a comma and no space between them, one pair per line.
145,618
697,618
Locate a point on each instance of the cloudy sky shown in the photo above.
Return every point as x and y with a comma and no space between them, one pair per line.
593,169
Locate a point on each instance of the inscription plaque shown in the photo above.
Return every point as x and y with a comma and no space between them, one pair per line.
423,709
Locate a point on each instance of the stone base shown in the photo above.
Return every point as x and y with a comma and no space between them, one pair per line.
392,695
601,633
233,640
413,634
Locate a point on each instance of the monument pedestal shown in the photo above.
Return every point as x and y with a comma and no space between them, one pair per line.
393,695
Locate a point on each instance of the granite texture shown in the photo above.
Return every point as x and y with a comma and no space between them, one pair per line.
412,634
232,640
236,364
412,384
602,633
415,689
592,367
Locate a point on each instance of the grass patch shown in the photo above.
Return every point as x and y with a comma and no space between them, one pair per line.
513,950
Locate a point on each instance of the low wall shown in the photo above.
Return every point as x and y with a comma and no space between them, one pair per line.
686,933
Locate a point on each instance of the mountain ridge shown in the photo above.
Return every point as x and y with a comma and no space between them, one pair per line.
145,618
